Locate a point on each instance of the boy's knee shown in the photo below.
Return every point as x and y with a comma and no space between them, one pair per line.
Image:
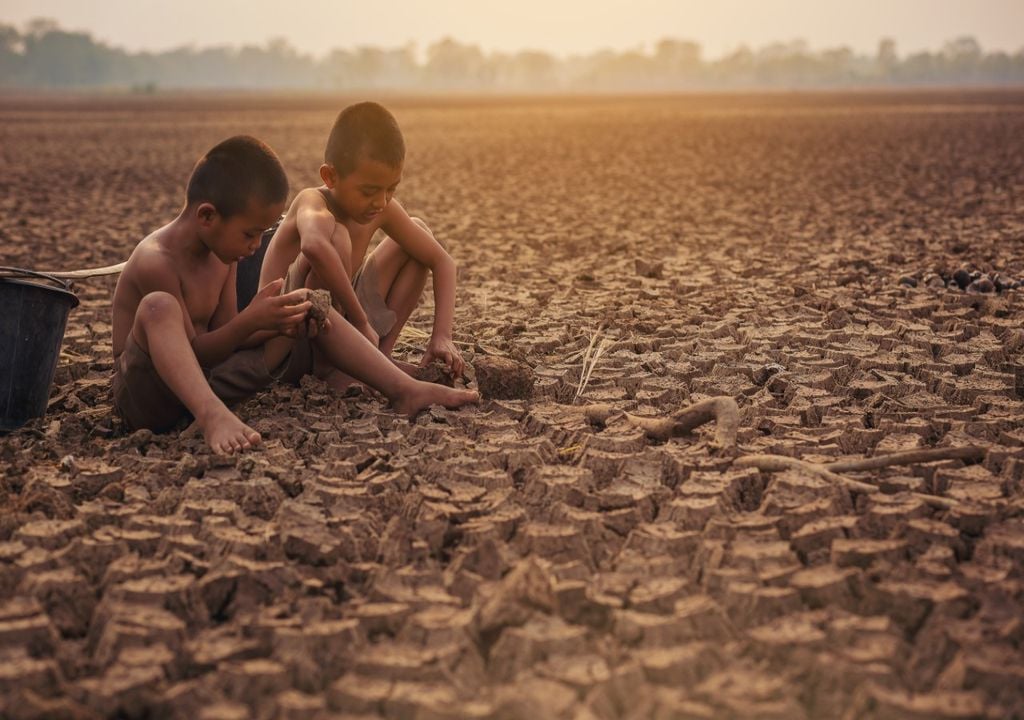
157,306
426,227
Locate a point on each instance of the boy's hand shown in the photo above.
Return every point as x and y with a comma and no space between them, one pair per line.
311,328
369,333
444,349
282,313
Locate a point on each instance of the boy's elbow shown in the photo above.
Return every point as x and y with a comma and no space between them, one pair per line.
313,246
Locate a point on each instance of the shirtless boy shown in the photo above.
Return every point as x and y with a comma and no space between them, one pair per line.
180,345
323,239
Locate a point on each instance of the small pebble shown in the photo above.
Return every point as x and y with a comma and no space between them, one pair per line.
908,281
935,282
1002,283
649,269
981,285
962,278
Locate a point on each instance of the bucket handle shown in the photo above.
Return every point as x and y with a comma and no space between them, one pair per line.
22,272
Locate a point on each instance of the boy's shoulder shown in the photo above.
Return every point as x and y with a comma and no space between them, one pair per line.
310,196
149,254
153,264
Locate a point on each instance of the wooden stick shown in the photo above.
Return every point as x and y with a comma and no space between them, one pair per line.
723,410
89,272
778,463
775,463
908,457
75,274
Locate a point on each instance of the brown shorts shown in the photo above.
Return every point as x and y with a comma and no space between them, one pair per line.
143,399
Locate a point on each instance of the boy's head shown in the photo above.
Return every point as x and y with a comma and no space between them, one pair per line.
236,191
363,159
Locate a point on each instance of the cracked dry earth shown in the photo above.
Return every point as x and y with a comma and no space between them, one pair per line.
514,561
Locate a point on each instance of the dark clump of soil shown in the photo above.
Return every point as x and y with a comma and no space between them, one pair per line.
320,309
503,379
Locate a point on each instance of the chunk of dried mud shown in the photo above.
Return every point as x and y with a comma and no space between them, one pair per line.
503,379
435,372
320,309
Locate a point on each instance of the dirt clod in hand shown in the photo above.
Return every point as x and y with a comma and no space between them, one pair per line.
321,307
503,379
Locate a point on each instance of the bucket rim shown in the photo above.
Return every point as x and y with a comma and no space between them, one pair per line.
63,289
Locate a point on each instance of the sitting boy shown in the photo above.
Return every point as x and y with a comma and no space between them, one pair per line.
180,345
322,242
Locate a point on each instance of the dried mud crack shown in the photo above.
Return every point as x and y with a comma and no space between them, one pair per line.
538,557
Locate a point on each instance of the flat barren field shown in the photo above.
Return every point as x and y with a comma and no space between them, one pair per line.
537,558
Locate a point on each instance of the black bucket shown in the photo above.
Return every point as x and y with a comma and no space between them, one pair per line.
247,280
35,315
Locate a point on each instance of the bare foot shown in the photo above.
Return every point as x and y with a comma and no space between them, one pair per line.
226,434
422,395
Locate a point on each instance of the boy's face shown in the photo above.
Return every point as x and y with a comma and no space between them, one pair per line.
237,236
365,192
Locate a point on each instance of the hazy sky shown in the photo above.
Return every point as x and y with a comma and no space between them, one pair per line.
559,26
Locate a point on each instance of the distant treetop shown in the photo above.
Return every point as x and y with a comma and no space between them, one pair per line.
44,56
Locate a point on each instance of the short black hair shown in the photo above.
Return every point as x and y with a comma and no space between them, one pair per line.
236,171
365,127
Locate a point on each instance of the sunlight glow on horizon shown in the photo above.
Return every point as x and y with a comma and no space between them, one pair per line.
560,27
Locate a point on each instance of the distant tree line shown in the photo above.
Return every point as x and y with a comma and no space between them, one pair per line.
42,55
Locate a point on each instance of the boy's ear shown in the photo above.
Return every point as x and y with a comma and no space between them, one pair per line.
329,175
206,214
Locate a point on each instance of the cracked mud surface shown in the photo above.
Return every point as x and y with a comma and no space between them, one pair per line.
514,560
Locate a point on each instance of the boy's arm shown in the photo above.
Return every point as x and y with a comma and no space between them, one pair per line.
422,247
318,235
228,328
268,315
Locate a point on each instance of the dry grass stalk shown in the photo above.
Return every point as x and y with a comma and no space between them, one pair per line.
590,359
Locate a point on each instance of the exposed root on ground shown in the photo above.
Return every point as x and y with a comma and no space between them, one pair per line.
908,457
776,463
723,410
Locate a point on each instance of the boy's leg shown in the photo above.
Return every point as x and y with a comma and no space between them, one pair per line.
162,332
349,351
400,281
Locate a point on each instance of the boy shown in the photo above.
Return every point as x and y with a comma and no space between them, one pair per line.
180,345
322,241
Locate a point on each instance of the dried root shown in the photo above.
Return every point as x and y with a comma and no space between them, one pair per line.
908,457
775,463
723,410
